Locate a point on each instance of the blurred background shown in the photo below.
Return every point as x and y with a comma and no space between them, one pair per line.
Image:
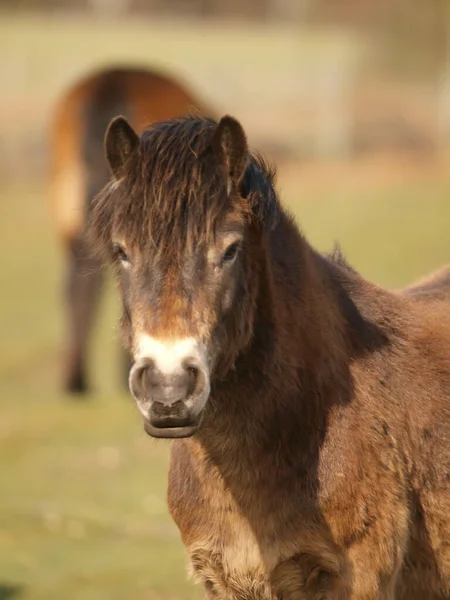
352,101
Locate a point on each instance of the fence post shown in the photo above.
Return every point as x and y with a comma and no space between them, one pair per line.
334,114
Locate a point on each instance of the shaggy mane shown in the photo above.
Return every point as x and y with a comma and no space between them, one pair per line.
173,192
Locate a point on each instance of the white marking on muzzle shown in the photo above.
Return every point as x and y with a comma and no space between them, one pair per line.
168,355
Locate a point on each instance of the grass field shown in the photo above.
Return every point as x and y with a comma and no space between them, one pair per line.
82,488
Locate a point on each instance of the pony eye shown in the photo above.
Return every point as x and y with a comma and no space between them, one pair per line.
120,253
231,252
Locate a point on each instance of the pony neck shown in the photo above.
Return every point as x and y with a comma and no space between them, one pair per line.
296,367
302,303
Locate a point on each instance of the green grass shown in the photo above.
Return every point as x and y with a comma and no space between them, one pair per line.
82,488
390,234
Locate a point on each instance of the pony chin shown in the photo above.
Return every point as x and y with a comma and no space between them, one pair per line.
170,432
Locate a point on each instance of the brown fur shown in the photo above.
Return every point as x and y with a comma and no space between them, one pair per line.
436,284
321,467
79,170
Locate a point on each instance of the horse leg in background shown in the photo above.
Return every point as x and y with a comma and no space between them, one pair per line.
84,282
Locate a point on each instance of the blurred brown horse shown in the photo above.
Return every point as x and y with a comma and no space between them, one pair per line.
79,171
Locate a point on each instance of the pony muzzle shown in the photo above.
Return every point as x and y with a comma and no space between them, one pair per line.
170,394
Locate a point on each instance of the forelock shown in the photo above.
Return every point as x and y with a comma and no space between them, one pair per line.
173,193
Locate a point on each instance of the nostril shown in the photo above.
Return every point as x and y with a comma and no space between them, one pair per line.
192,377
137,383
139,379
193,371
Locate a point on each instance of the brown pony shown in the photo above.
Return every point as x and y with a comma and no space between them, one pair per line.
314,406
79,171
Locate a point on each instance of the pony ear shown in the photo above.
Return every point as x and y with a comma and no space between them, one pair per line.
121,141
230,145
